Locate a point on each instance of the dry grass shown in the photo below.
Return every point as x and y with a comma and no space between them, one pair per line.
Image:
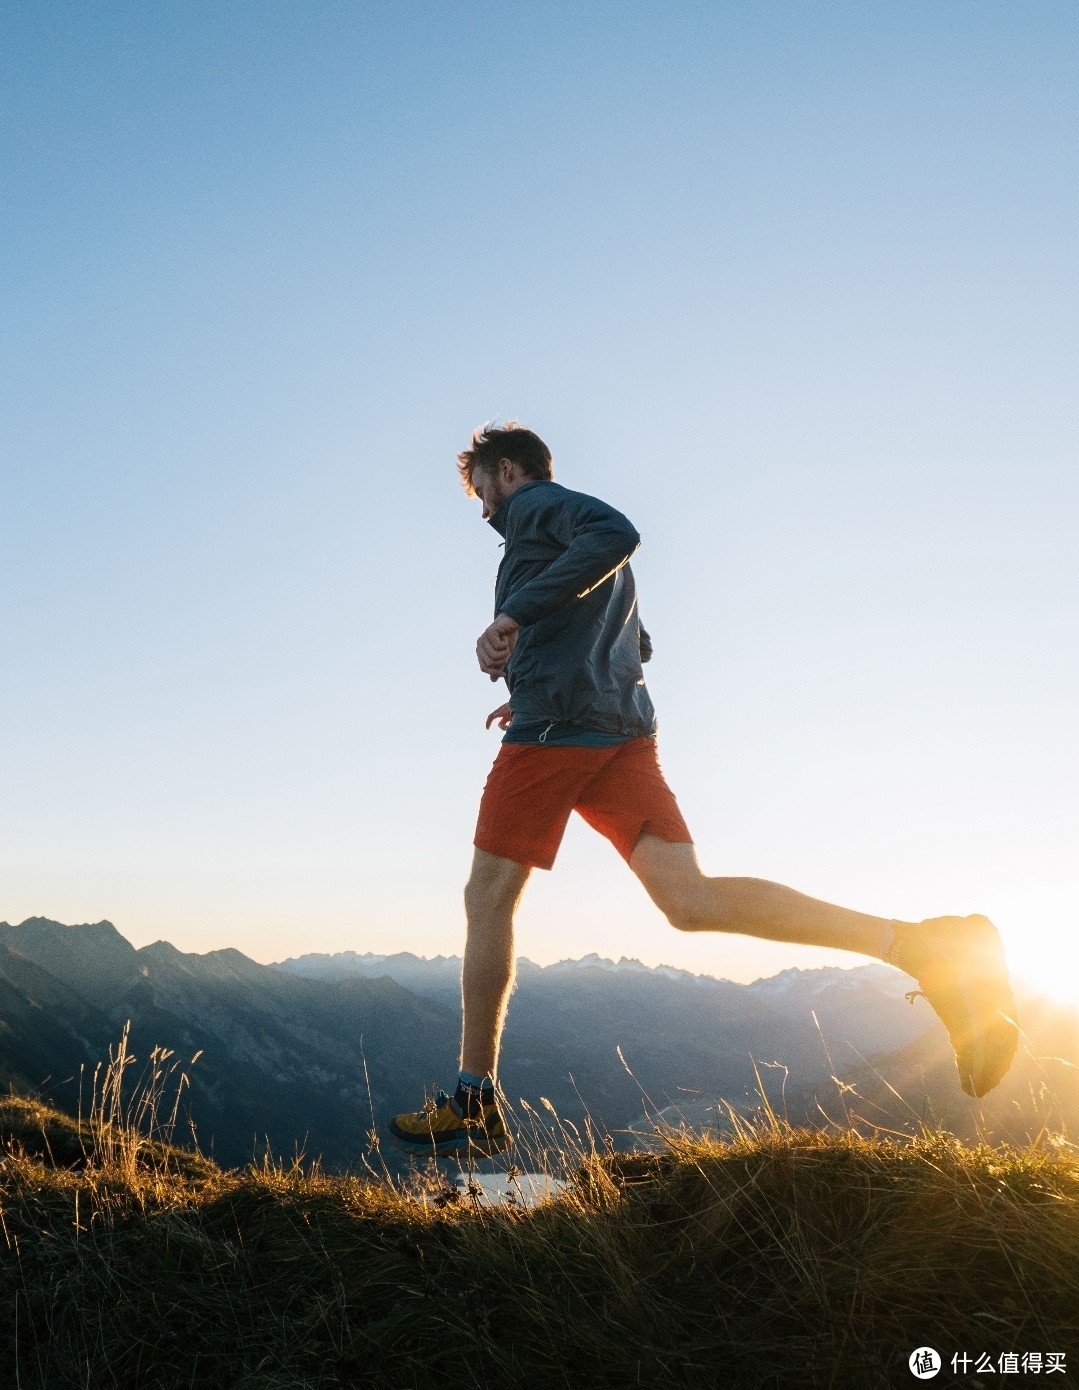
778,1257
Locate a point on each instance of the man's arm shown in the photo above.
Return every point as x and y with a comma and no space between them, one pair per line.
598,539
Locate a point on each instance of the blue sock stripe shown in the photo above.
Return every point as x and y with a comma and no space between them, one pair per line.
476,1083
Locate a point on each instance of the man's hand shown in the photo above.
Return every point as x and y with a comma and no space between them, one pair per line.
496,644
503,714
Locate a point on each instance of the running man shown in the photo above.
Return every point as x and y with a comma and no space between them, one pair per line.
580,735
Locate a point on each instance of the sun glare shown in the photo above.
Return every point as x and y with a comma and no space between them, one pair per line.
1045,963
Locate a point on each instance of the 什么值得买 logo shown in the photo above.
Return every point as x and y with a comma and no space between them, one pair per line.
924,1363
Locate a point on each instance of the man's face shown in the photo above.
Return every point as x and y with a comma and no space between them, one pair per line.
489,488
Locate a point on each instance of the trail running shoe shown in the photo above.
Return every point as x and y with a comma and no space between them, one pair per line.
959,964
442,1127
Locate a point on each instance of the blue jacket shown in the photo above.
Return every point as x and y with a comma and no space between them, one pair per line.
564,577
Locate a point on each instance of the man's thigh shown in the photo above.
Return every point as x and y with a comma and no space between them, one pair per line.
530,792
630,798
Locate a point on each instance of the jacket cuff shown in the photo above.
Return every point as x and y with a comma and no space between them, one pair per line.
509,610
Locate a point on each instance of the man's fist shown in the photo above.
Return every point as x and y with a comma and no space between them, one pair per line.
496,644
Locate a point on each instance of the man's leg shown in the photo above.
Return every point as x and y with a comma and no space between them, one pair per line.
958,961
527,799
691,901
470,1120
491,897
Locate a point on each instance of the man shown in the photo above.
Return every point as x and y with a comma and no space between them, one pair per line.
580,734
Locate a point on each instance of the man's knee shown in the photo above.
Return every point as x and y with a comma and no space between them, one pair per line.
682,900
685,910
494,885
673,880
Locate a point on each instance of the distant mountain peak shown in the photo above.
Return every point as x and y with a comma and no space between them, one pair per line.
92,958
102,928
163,949
628,965
830,977
358,958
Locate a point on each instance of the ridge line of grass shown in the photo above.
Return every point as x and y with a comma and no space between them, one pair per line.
781,1255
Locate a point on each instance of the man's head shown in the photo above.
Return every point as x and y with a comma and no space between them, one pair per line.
502,459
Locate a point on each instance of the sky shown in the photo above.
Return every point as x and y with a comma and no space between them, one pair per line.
793,285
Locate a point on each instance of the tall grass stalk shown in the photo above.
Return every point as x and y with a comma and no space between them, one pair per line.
132,1117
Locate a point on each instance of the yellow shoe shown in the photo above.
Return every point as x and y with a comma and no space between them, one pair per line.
442,1127
959,963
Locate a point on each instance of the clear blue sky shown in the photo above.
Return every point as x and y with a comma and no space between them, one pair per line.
793,285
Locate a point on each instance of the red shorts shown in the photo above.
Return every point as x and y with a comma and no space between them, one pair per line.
531,789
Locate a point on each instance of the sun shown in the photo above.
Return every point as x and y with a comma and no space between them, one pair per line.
1046,961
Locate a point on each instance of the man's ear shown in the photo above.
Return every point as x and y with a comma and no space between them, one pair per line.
506,470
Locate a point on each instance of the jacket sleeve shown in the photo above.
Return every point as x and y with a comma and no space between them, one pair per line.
598,539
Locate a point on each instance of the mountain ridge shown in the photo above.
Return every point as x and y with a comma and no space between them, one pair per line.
320,1050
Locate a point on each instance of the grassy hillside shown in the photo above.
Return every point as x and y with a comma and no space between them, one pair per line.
782,1257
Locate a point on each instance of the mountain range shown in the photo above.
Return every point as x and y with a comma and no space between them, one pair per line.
313,1054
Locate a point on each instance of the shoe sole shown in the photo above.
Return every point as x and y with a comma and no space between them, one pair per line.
992,1045
461,1144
